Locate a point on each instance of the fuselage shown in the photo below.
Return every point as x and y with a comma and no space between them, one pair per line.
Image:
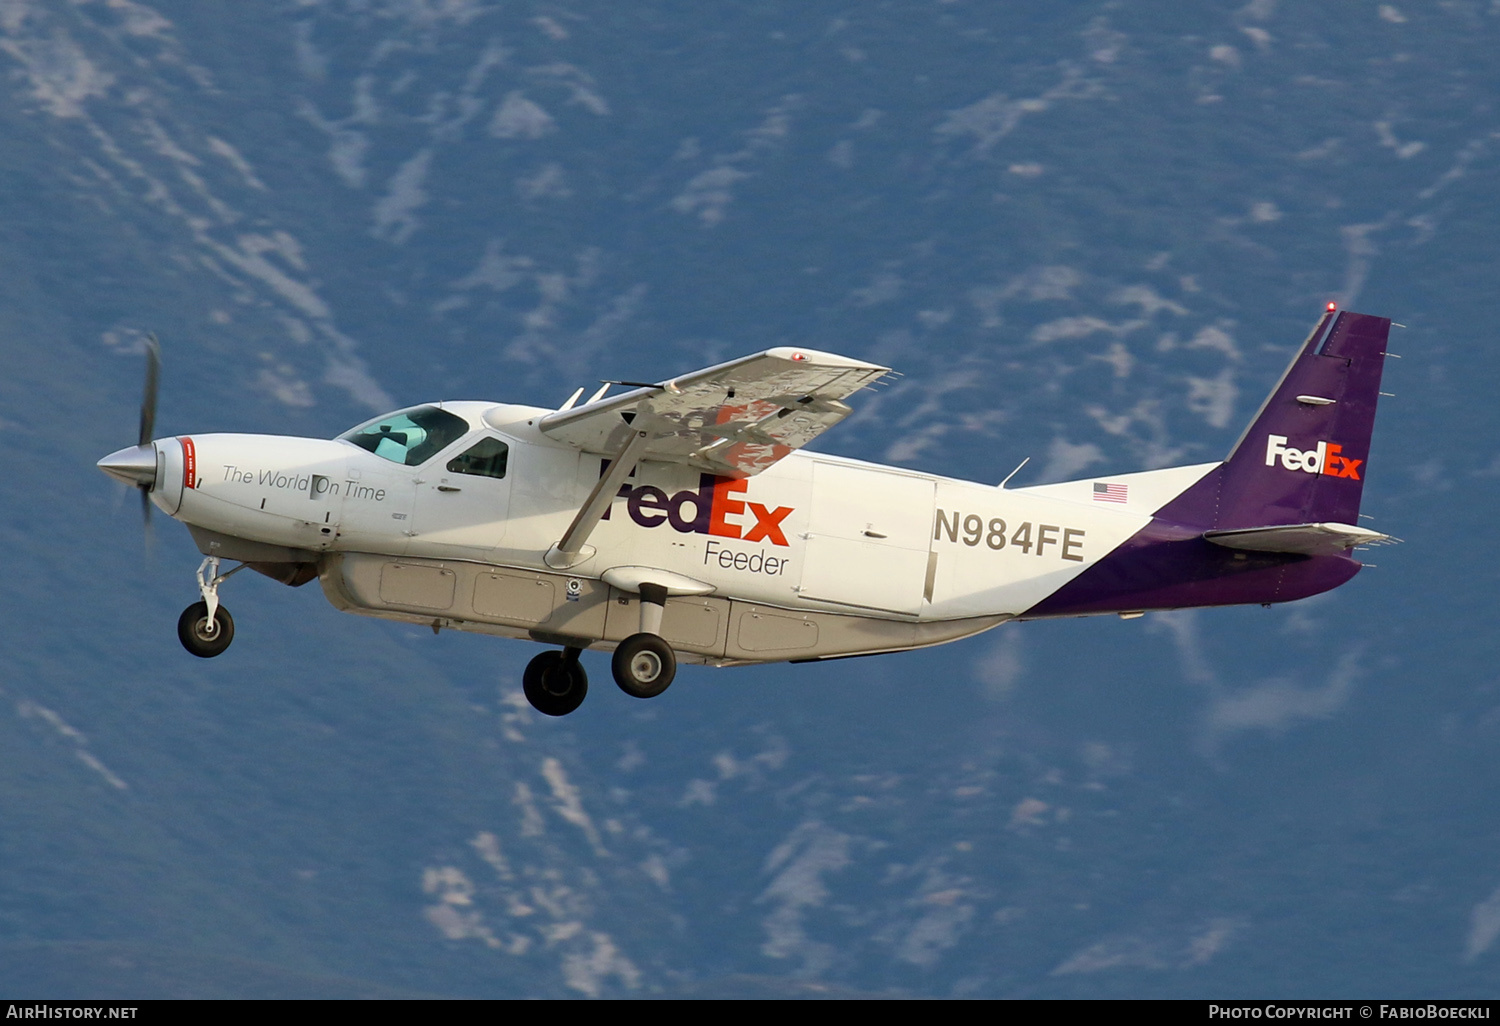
811,533
614,525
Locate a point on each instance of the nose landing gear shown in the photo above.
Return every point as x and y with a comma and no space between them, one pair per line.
202,636
206,628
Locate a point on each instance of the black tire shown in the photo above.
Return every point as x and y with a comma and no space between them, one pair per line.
194,633
644,665
555,685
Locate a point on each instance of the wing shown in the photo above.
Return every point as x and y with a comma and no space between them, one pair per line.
734,419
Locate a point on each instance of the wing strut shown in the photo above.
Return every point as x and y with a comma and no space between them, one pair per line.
571,550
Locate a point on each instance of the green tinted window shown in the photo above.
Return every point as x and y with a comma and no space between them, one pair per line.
487,459
408,437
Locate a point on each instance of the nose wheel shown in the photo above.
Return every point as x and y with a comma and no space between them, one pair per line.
555,683
206,628
203,635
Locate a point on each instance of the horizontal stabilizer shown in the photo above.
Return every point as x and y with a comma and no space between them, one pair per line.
1304,539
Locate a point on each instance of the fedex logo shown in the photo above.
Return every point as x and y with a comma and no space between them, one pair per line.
715,510
1325,459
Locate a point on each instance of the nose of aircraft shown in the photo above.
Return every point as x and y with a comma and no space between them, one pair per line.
135,465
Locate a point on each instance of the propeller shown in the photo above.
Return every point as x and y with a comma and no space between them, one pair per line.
148,399
148,419
136,466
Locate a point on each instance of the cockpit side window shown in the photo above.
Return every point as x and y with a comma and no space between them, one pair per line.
485,459
409,437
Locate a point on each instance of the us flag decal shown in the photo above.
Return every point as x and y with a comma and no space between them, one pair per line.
1110,492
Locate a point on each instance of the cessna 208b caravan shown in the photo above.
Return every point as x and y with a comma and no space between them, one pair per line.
680,521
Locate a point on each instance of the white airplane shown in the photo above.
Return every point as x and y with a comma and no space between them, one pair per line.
682,521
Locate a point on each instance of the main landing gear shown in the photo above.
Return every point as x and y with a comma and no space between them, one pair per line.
206,628
555,683
644,664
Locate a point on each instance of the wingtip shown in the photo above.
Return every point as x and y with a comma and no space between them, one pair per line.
819,358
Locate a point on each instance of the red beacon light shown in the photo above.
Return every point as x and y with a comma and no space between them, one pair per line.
1332,306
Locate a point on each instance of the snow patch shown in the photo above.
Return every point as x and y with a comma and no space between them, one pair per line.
61,76
31,710
1213,398
1484,926
991,119
587,971
568,802
797,867
1152,951
395,213
520,118
239,163
1226,54
1066,461
1001,668
708,194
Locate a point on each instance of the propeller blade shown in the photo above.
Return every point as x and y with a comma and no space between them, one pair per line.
148,531
148,400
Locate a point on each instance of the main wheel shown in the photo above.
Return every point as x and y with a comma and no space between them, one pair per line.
644,665
199,636
555,685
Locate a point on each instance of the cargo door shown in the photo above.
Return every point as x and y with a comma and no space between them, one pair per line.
868,538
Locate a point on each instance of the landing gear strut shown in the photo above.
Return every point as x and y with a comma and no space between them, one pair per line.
644,663
206,628
555,683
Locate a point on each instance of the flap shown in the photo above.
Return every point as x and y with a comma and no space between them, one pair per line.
734,419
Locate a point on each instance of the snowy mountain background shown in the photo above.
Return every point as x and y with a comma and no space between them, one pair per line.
1087,233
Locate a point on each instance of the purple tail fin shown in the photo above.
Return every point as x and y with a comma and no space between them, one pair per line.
1303,458
1302,461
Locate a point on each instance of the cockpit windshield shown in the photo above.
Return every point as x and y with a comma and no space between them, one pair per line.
408,437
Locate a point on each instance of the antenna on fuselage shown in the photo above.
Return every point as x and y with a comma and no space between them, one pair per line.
572,400
1013,473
